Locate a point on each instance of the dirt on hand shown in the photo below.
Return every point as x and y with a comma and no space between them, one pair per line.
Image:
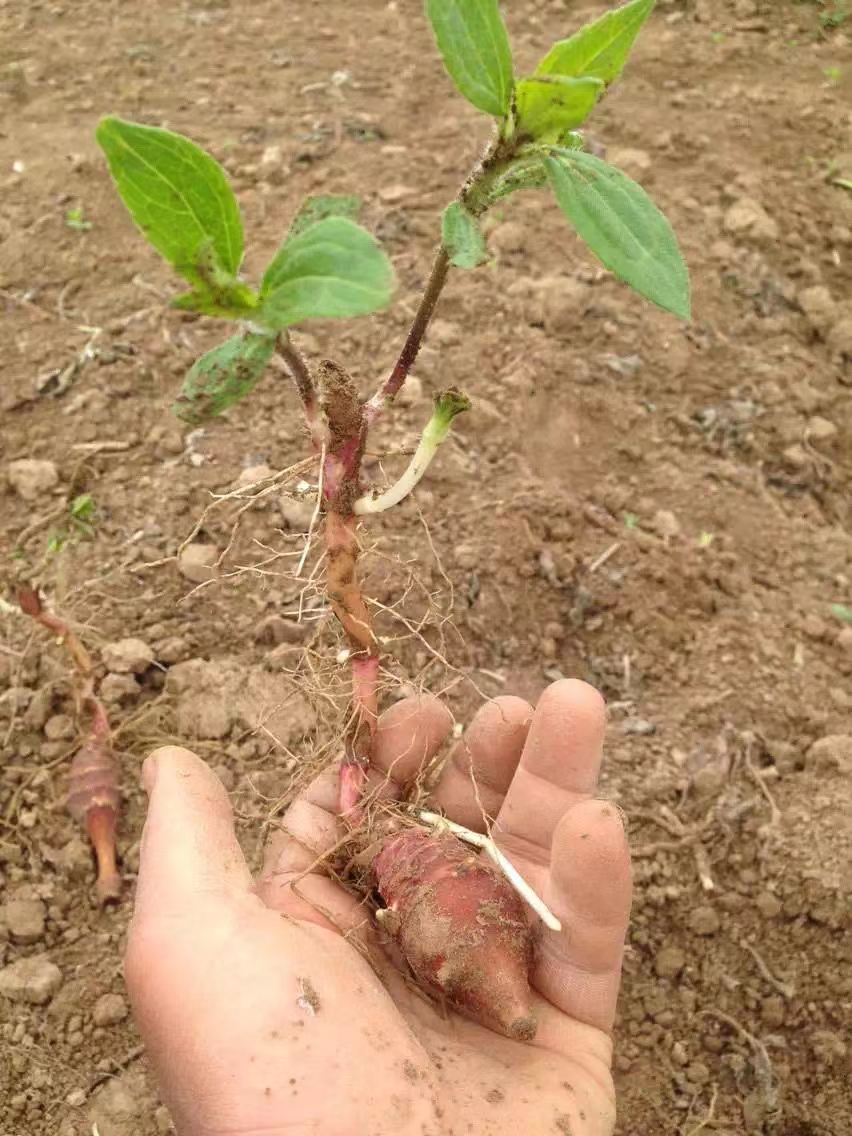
662,510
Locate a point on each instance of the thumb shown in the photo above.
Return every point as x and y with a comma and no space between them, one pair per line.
189,850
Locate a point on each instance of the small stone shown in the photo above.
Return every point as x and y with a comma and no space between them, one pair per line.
773,1011
666,524
252,475
509,237
34,980
127,656
275,629
786,757
705,920
833,752
768,905
38,711
631,161
466,556
561,304
679,1054
444,333
747,217
796,456
669,962
25,919
31,478
172,650
76,1098
818,305
296,512
162,1120
393,194
844,640
640,727
197,562
840,337
828,1047
109,1010
821,429
60,727
698,1073
118,688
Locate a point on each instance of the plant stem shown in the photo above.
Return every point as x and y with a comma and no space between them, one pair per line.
473,195
298,369
344,416
414,340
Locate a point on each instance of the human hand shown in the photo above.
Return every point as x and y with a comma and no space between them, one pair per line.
260,1011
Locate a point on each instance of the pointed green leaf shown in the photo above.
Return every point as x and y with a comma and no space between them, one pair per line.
550,106
317,208
472,39
178,196
223,376
462,237
600,49
333,269
622,227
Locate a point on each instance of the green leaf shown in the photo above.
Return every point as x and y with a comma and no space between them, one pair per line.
223,376
472,39
178,196
842,612
622,226
600,49
333,269
550,106
462,237
216,293
317,208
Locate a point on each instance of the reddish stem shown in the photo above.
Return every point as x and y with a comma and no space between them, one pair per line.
414,339
347,430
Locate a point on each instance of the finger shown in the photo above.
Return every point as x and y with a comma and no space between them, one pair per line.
481,767
409,735
189,850
589,890
559,766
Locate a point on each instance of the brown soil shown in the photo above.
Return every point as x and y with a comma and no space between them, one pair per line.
664,511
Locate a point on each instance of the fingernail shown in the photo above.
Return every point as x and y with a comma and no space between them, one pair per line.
150,767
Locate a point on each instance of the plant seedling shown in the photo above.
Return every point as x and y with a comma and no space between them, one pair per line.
74,220
328,266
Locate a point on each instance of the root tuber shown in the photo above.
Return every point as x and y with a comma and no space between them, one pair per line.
93,800
460,926
93,796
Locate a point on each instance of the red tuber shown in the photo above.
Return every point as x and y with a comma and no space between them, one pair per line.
461,927
93,796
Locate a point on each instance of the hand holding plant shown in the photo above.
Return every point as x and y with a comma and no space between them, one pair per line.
328,266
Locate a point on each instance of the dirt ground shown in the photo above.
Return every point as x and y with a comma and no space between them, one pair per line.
662,510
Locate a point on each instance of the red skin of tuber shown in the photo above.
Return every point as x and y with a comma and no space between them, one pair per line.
93,796
93,799
461,927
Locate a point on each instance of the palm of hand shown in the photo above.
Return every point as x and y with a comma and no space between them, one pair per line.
258,1004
